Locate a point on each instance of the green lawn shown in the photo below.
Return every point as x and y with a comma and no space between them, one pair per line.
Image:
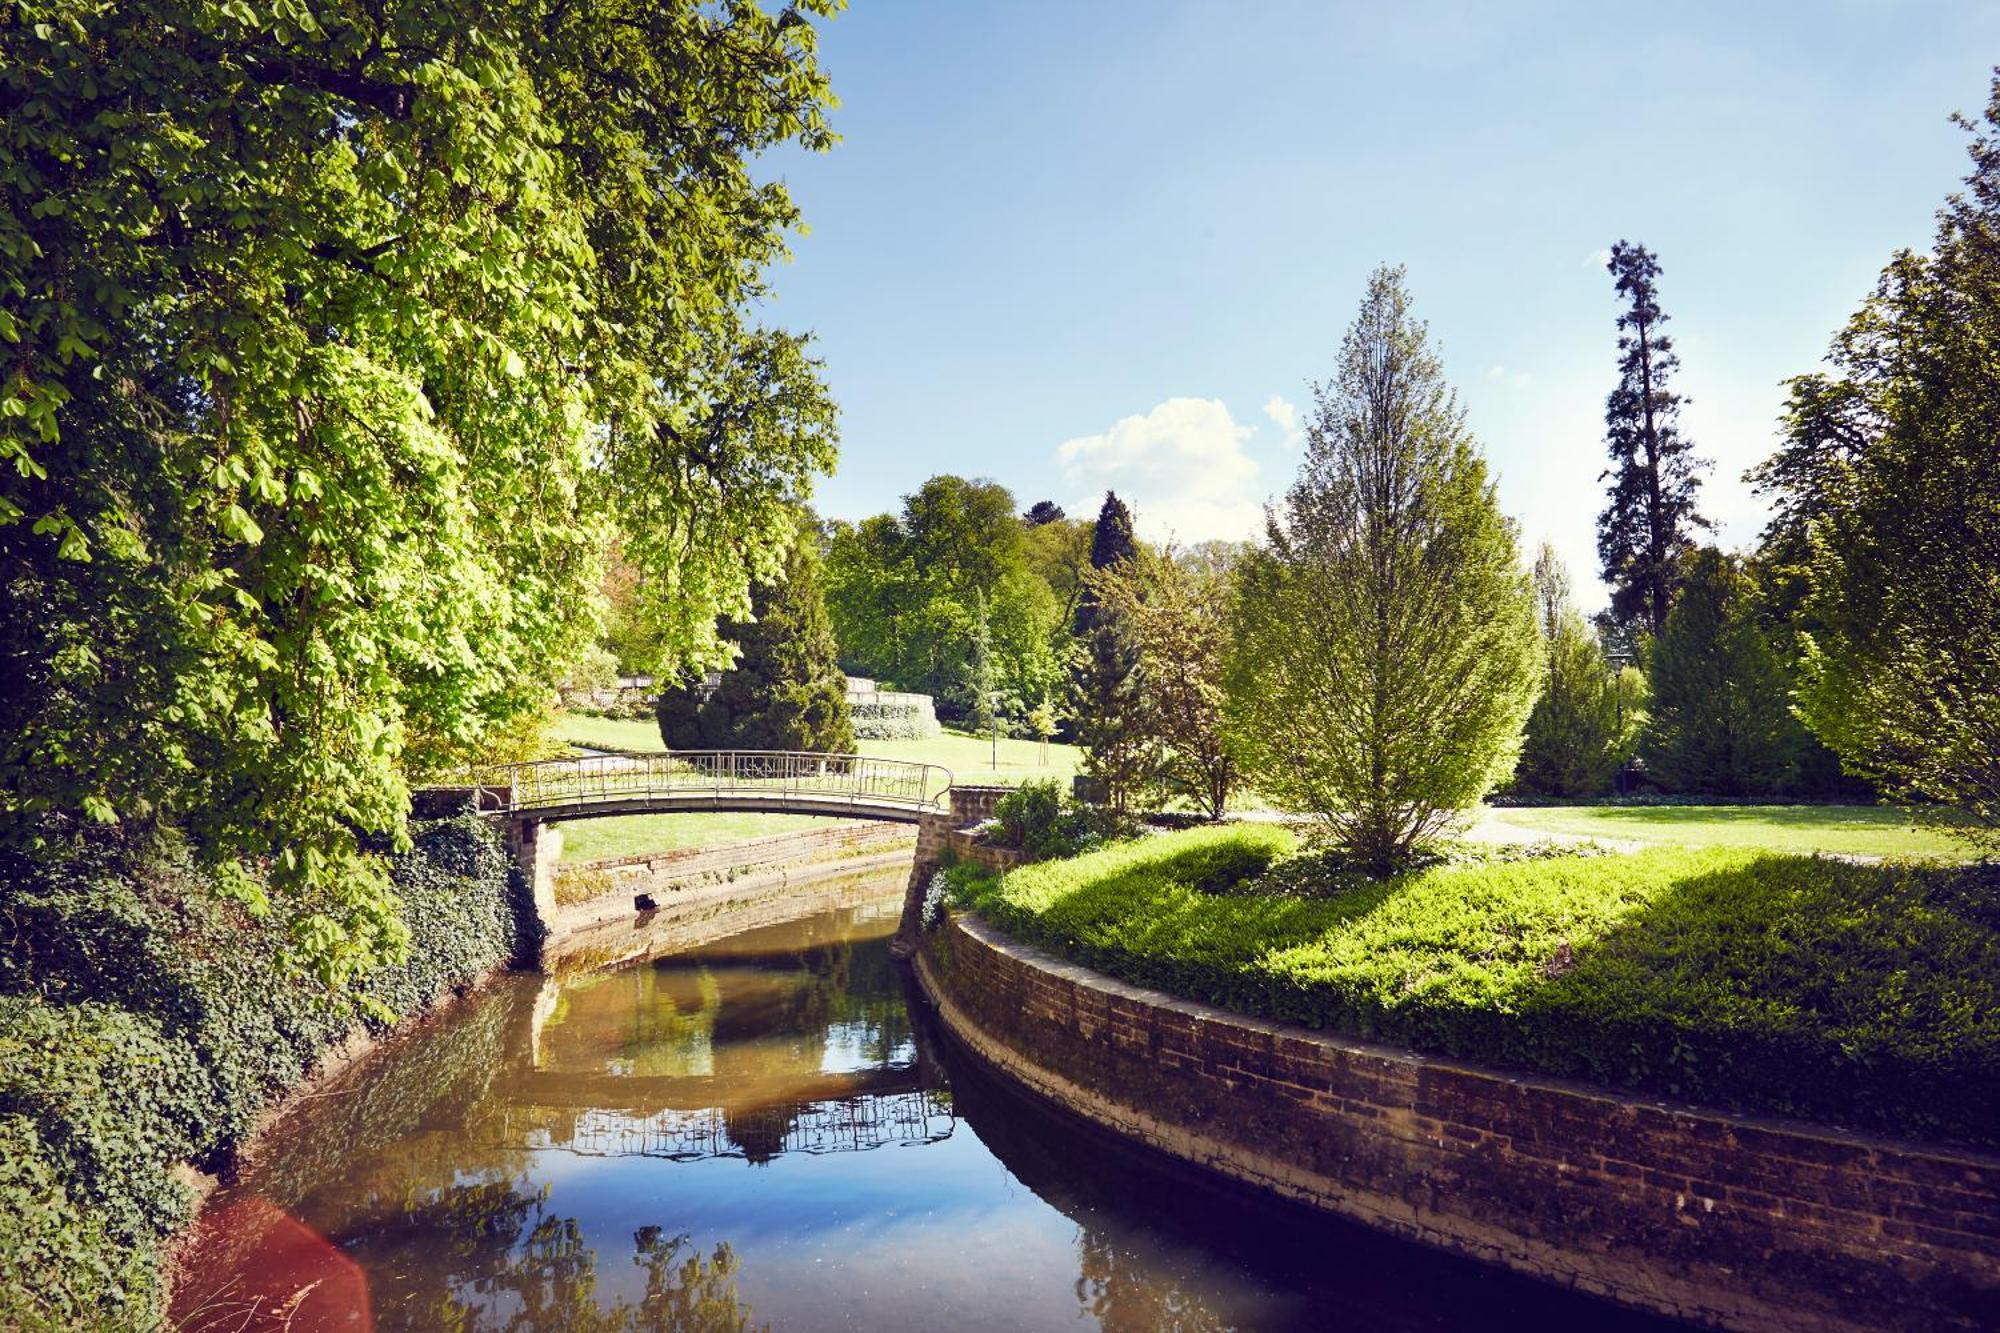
1849,830
970,758
631,835
1861,994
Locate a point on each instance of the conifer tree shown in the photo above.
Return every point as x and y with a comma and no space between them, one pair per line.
1385,653
1720,722
1575,740
786,690
980,679
1646,529
1105,683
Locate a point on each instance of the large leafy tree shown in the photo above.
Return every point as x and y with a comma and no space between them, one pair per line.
336,343
1177,607
1386,652
1896,493
1579,734
1720,721
1648,525
786,690
906,591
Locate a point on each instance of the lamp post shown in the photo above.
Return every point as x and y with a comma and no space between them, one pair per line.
1618,661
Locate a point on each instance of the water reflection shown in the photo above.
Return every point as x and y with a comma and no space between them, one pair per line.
755,1131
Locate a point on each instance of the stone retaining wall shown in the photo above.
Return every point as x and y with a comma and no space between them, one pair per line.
1726,1220
663,874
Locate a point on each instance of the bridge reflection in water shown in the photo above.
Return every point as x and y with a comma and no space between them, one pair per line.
757,1131
762,1044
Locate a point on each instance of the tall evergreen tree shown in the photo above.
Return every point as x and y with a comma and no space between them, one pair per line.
1648,526
1720,721
1105,682
1575,740
981,681
1385,651
786,691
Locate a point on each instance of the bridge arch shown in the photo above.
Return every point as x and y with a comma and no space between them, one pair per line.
530,796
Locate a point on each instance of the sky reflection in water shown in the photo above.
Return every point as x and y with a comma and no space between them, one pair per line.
755,1132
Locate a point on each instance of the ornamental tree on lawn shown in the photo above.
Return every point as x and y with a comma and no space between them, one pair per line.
1386,653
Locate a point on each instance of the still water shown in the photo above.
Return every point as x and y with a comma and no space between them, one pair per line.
765,1130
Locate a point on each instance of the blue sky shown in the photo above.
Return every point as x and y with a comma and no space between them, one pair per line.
1076,245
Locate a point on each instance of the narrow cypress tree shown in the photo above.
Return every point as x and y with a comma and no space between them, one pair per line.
1105,681
1646,530
1573,744
980,679
786,691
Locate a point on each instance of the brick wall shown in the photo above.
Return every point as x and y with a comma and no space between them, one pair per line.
936,834
1732,1221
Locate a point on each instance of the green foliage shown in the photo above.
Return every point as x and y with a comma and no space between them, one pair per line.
1178,614
1720,721
145,1019
336,343
786,691
906,589
1891,473
981,685
893,717
1586,717
1647,527
1864,995
1107,692
1041,819
1385,655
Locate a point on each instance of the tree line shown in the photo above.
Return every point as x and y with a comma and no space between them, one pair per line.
1384,657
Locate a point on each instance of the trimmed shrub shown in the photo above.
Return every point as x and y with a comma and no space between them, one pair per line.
1866,995
145,1021
892,717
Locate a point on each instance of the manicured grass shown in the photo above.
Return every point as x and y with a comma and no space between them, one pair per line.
1848,830
1859,994
970,758
630,835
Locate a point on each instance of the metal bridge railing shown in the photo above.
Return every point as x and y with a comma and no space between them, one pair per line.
637,775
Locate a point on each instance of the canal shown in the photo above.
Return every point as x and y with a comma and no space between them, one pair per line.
763,1130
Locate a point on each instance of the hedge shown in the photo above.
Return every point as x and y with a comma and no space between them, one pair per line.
893,717
145,1021
1864,995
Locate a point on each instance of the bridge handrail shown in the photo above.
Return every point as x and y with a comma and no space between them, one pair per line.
619,775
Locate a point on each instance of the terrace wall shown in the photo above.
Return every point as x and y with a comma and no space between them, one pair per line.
1725,1220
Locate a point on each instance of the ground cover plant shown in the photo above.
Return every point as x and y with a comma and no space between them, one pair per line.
145,1020
1866,995
1845,830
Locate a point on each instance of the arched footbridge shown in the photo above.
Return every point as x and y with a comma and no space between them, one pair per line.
689,781
532,796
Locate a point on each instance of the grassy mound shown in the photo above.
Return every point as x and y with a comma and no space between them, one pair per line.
1866,995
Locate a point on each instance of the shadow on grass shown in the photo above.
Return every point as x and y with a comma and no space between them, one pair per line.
1858,994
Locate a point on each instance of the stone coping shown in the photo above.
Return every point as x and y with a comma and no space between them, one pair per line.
1724,1219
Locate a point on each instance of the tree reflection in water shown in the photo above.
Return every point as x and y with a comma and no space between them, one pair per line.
486,1169
497,1258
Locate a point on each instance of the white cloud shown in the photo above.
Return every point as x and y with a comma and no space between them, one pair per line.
1286,418
1181,467
1597,259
